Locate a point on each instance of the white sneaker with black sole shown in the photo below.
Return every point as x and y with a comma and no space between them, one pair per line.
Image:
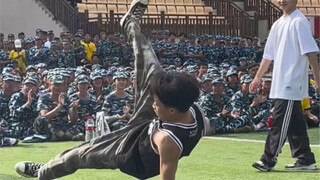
297,166
136,11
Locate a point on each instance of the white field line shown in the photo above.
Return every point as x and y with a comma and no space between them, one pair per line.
249,140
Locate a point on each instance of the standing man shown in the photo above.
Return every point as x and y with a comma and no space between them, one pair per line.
291,47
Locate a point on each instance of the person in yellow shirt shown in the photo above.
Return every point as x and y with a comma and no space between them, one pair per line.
90,47
305,104
19,55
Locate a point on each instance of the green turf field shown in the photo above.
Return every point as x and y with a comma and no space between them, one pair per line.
212,159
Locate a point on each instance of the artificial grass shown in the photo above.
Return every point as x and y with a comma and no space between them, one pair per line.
211,159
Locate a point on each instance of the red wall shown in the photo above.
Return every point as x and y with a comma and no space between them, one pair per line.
317,26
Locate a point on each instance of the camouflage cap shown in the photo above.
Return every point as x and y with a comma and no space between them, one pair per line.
45,73
29,40
103,72
30,79
128,68
242,59
8,77
192,36
77,35
37,38
231,72
192,68
206,77
31,67
132,75
65,41
79,72
41,65
32,74
96,67
95,75
245,79
56,79
17,78
50,32
172,67
119,75
177,59
10,35
267,79
217,81
82,79
65,73
38,30
7,70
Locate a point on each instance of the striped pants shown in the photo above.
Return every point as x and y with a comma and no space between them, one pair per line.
288,122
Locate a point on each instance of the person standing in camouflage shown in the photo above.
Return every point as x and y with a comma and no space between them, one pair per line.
78,50
193,52
67,56
38,53
118,104
23,109
4,54
54,55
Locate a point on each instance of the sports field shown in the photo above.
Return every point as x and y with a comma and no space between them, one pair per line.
214,158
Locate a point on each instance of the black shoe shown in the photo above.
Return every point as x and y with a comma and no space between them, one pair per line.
297,166
262,167
136,11
28,169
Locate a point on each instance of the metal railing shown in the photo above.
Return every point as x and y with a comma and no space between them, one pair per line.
181,23
264,9
229,21
66,14
238,19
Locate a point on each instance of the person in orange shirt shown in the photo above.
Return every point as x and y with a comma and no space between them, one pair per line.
19,55
90,47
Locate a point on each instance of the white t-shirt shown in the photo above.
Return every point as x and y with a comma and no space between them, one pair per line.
288,42
47,44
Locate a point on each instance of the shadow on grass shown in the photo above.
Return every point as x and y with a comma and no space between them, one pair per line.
9,177
293,171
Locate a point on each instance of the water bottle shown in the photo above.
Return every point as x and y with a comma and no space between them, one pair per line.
89,128
269,121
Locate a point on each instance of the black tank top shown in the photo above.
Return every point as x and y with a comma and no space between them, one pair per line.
141,160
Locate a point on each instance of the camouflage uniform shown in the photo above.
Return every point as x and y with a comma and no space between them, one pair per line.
53,57
59,126
22,118
241,106
212,108
4,115
113,106
193,49
36,58
85,108
168,48
66,59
